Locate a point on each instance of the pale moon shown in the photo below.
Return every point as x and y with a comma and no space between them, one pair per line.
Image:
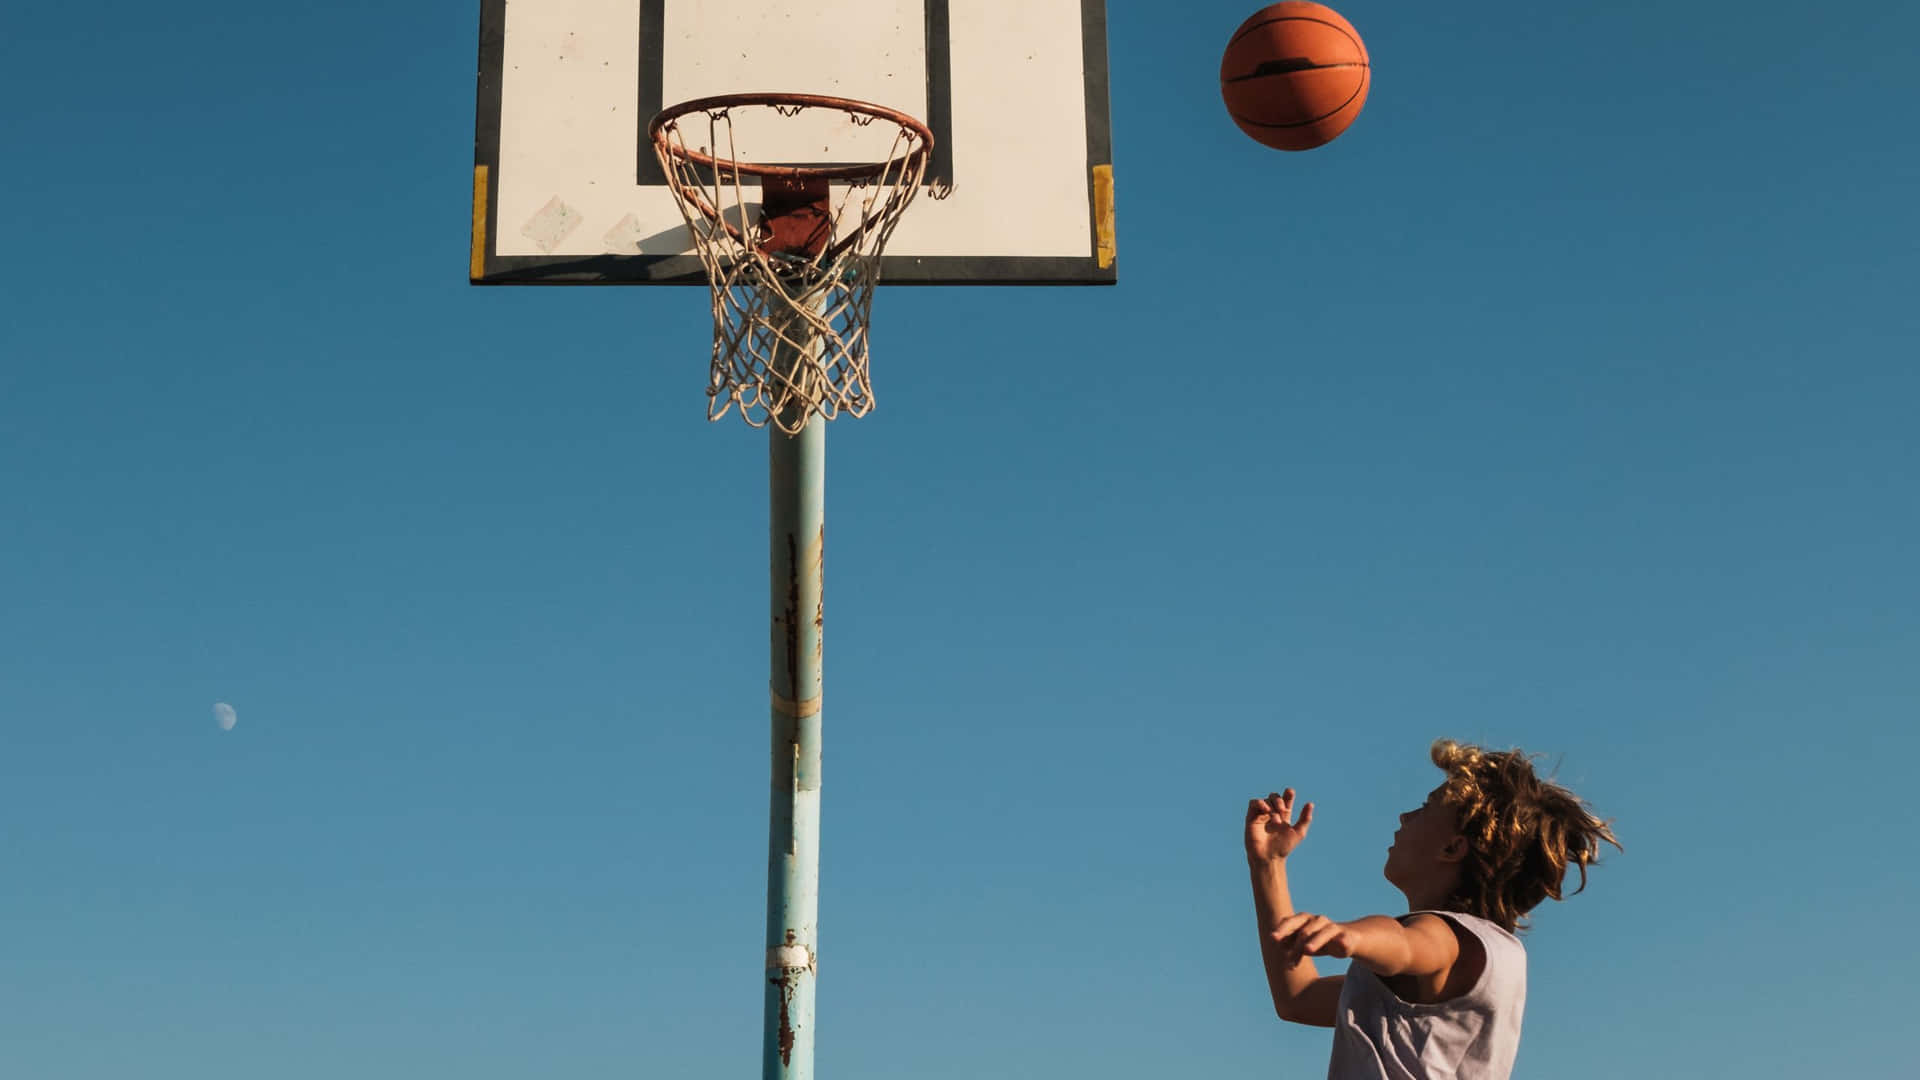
224,713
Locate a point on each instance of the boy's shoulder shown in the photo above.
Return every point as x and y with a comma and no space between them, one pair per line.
1461,924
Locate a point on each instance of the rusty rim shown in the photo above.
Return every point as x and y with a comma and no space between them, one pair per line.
663,121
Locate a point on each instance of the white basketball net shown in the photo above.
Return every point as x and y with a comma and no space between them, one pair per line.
789,331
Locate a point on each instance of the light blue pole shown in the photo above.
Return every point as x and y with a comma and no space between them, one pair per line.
797,473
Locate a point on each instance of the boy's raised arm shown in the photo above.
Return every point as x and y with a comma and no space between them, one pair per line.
1299,993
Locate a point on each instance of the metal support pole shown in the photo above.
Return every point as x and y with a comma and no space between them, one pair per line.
797,488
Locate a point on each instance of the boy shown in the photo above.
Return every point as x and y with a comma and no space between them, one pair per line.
1435,994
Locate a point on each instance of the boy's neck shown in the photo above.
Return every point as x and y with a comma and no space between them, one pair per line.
1430,895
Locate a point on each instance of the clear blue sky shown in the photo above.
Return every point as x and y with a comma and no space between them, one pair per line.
1566,402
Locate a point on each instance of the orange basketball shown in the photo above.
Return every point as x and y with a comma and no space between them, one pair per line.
1295,75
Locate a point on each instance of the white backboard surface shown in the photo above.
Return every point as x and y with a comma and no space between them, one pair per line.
1019,191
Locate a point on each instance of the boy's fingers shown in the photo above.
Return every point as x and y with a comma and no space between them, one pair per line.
1296,926
1306,817
1301,946
1319,938
1256,809
1286,926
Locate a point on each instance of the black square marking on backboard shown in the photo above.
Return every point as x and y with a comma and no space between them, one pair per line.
653,68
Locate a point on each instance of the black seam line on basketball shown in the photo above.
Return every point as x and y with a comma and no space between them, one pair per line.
1307,123
1298,18
1288,67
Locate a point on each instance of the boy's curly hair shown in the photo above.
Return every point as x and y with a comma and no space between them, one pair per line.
1522,831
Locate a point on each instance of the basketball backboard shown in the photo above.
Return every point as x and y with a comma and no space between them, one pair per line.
1019,189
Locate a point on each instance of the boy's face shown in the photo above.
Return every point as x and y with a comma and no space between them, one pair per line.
1427,840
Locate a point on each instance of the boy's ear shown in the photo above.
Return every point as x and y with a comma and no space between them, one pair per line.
1456,849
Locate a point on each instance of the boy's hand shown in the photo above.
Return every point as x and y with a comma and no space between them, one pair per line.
1272,834
1302,935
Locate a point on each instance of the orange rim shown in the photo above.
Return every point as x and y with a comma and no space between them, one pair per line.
658,127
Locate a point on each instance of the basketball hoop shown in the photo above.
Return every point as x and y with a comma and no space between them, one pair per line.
792,274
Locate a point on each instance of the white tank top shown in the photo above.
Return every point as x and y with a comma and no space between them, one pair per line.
1377,1036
